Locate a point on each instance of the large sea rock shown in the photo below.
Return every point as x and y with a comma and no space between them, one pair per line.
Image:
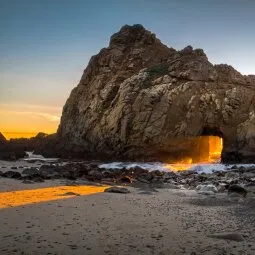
139,99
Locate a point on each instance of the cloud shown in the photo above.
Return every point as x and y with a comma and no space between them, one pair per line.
30,107
49,113
47,116
29,118
36,115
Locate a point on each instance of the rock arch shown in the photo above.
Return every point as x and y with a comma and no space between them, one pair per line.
138,99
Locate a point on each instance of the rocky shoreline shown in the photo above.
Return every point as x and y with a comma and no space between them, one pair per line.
185,212
238,180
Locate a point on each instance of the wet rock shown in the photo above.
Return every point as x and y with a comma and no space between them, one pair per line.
138,171
250,187
237,189
145,178
49,172
30,171
34,177
249,175
169,176
232,175
95,175
126,179
157,173
27,182
70,194
37,179
12,174
108,174
228,236
117,190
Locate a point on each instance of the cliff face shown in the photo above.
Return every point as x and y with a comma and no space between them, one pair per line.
139,99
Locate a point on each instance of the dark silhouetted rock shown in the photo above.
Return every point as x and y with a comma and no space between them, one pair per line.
117,190
16,148
2,139
237,189
12,174
70,194
30,171
126,179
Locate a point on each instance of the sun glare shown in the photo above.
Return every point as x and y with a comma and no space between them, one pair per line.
209,152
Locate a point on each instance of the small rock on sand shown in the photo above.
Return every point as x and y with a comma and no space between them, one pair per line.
235,188
228,236
117,190
70,194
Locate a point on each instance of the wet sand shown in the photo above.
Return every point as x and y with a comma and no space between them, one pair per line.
142,222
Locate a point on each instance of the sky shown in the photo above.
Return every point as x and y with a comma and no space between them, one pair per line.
46,44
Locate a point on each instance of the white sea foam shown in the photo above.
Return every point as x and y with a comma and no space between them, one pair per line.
151,166
35,157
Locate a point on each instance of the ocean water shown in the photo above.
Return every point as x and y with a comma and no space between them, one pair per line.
151,166
31,157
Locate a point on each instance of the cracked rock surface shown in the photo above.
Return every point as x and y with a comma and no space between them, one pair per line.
139,99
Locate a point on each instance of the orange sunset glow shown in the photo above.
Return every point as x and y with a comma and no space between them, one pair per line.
24,197
26,121
209,153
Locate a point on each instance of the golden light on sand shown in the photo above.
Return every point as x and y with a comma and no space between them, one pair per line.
24,197
209,152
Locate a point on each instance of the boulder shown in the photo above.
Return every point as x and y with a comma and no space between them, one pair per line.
117,190
126,179
95,175
12,174
30,171
49,172
235,188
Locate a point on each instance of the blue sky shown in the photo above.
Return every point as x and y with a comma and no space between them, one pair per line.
46,44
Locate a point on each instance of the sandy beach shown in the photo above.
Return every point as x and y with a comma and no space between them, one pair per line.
145,221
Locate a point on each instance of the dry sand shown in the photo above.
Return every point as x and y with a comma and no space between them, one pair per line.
142,222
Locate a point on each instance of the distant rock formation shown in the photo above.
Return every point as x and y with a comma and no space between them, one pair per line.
139,99
16,148
2,139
